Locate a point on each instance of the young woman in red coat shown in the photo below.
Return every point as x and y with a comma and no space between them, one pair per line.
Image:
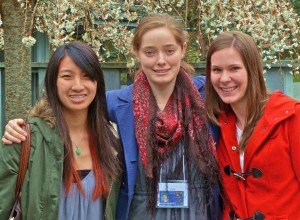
259,147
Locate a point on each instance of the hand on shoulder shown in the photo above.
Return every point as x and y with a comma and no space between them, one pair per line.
14,132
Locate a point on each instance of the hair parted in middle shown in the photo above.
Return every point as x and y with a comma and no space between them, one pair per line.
154,21
256,92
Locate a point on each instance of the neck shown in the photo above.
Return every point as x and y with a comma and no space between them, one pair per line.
240,112
76,122
162,94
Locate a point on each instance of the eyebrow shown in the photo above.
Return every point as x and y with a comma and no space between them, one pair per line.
231,65
167,45
65,70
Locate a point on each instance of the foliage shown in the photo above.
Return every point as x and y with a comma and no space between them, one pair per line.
296,4
296,78
107,25
1,35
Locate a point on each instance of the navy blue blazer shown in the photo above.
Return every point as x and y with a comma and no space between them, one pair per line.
119,103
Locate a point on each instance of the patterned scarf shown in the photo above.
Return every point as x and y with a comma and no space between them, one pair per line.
159,132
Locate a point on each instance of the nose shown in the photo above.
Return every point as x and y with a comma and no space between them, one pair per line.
161,59
225,77
77,84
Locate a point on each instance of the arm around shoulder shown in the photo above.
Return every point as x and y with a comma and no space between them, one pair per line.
9,165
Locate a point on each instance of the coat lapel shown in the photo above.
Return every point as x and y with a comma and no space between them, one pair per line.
126,128
228,130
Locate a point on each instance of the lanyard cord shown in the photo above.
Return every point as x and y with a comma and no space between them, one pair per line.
183,167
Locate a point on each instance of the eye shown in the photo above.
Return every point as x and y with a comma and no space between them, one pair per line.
149,53
65,76
235,68
216,70
170,51
87,77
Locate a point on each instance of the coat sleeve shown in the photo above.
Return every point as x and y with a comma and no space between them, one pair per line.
294,139
199,81
110,105
9,165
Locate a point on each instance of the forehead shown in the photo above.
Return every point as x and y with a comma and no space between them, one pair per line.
158,37
226,55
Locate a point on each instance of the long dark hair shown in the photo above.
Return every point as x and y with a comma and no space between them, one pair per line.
101,136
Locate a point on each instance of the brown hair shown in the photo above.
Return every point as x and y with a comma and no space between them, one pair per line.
256,89
154,21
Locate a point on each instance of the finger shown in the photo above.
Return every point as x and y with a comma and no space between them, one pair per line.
15,128
5,141
12,135
9,139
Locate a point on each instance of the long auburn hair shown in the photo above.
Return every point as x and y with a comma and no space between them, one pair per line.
103,142
256,91
154,21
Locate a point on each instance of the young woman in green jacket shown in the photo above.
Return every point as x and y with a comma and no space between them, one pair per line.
73,167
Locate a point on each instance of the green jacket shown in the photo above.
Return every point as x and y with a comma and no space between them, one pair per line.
42,185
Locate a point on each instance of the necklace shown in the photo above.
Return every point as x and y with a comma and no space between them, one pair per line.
78,150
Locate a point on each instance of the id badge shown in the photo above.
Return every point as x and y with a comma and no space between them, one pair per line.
172,195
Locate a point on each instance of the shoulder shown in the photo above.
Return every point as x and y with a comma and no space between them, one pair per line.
199,81
41,129
281,106
121,95
125,92
116,98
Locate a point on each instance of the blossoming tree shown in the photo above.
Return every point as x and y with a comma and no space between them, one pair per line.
107,25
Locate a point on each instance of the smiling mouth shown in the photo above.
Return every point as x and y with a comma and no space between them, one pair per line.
77,96
229,89
161,71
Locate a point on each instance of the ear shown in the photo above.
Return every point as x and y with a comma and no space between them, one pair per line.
137,56
184,46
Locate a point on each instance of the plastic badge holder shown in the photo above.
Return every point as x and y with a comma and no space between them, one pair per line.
173,194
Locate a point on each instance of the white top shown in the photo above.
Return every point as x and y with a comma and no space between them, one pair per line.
238,137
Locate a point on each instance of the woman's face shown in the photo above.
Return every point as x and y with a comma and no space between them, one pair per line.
160,57
76,90
229,76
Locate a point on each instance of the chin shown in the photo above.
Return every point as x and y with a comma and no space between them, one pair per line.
228,101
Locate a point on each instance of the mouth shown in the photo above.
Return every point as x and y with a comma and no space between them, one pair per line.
77,96
228,89
161,70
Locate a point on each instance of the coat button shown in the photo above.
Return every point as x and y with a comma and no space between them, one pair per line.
233,148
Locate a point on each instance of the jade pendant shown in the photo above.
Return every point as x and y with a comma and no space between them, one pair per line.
78,151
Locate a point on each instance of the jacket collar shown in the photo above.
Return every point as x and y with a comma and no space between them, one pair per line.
127,133
126,95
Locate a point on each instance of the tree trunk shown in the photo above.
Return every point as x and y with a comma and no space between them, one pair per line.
17,60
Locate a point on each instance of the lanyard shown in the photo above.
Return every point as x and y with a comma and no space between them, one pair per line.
183,168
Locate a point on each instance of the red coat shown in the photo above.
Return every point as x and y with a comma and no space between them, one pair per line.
274,148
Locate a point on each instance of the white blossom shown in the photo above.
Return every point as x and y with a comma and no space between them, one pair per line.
28,41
